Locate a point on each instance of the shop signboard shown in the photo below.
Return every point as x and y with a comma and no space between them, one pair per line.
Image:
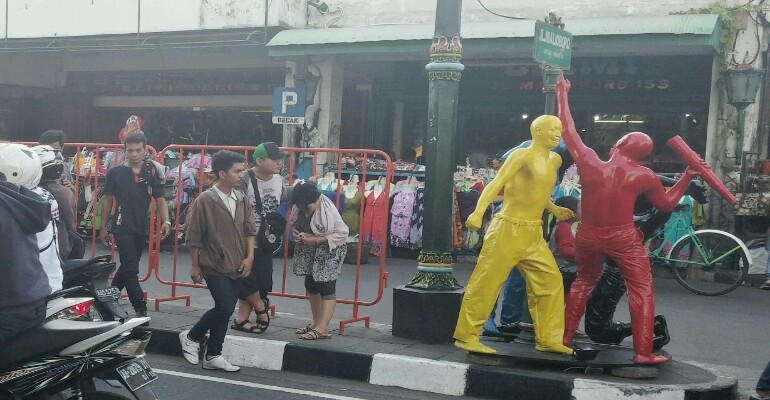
288,106
553,46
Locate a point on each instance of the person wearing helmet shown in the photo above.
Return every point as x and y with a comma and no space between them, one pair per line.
23,214
131,185
27,172
53,165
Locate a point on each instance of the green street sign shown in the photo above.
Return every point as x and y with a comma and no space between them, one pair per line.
553,46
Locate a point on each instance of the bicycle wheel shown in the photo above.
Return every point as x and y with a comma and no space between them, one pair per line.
709,263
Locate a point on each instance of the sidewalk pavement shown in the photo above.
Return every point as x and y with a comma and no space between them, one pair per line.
373,355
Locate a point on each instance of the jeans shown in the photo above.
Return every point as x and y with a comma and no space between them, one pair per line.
12,325
514,299
130,246
224,291
764,379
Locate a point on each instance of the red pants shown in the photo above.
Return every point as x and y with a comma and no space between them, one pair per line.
624,245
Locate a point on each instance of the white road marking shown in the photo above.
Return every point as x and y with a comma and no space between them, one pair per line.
253,385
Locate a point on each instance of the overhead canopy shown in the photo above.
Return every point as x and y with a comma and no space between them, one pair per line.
647,35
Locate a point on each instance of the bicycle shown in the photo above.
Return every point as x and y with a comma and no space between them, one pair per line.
708,262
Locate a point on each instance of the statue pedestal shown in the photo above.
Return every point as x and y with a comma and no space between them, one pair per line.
429,316
597,358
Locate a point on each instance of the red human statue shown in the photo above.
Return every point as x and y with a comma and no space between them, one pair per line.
610,189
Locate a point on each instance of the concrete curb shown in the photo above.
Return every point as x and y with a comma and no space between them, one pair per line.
444,377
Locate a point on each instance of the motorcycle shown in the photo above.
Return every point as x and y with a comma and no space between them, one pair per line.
67,359
91,277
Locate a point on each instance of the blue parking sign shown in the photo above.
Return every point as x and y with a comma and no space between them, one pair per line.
288,105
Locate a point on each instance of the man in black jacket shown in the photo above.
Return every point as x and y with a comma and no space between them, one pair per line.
24,286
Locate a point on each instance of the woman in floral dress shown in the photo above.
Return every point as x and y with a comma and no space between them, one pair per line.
320,236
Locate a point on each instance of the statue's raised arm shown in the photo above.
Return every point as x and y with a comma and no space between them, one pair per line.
580,152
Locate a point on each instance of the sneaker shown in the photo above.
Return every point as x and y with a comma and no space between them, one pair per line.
141,313
220,363
190,348
765,286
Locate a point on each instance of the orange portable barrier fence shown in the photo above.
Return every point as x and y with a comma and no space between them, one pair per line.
314,154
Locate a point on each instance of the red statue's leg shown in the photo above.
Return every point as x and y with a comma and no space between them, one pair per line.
634,265
589,270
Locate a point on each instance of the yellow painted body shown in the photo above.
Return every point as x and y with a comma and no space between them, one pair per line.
515,238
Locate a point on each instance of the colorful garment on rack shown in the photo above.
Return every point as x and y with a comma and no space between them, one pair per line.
400,224
350,213
415,224
457,233
466,202
374,227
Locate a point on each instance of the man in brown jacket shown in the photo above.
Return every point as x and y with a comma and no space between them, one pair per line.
220,235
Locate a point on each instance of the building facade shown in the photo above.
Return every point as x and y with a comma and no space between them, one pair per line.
204,72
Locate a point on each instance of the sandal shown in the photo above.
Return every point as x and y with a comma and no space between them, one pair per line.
239,326
315,335
302,331
262,325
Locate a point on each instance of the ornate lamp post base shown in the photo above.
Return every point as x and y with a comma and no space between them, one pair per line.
434,272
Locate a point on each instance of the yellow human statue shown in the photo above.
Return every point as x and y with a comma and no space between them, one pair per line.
515,238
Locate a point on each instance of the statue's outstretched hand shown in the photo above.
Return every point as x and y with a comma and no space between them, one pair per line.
563,214
474,221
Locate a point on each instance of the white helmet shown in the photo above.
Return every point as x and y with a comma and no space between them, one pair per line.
51,159
20,165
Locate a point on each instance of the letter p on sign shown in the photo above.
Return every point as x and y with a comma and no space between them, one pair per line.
288,99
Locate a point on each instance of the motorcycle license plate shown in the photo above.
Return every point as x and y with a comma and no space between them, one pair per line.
136,374
109,293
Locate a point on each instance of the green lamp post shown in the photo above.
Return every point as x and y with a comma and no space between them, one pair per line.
742,84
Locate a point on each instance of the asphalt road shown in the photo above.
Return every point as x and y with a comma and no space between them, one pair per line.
728,332
179,380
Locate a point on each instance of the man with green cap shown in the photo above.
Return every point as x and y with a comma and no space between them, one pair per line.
265,188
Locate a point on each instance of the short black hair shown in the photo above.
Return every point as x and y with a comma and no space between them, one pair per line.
223,160
52,136
567,202
137,137
305,194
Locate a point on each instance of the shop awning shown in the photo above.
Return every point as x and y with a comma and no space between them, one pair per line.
643,35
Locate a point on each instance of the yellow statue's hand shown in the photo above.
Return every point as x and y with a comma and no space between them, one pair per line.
563,214
474,221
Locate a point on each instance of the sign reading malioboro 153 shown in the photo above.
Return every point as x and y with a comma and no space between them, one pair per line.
553,46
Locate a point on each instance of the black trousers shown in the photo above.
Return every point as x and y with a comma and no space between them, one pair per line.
224,291
261,276
130,246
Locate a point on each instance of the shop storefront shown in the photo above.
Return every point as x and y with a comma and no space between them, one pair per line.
215,107
653,75
661,96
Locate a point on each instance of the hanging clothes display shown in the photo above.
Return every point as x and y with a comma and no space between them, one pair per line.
350,213
418,211
457,233
374,229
